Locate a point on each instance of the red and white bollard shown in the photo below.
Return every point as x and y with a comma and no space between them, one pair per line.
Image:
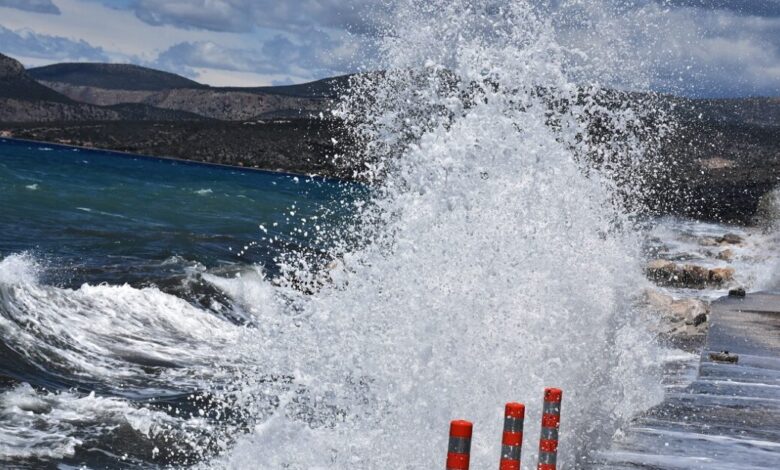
512,438
459,451
551,421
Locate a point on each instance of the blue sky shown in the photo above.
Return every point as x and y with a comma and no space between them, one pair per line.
699,47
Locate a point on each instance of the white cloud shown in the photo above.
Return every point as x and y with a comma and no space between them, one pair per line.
31,47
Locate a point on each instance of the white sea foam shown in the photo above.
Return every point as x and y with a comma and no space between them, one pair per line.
493,265
32,187
755,260
39,424
203,192
109,334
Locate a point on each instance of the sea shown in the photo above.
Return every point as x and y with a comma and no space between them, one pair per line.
104,261
157,313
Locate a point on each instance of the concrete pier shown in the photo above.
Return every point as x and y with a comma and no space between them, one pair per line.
728,418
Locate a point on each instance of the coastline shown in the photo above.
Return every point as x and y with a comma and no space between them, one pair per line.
294,146
174,160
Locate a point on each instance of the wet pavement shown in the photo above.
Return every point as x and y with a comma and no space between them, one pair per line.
728,416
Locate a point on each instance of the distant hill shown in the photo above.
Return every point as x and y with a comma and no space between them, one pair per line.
22,99
115,84
16,84
327,88
112,76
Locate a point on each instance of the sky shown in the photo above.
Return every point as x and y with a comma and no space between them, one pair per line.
698,47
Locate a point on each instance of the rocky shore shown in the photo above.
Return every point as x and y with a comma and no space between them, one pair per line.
692,264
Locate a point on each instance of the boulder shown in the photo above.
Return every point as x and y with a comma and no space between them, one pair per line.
679,317
662,271
726,255
738,292
730,239
720,276
724,356
694,276
691,276
709,241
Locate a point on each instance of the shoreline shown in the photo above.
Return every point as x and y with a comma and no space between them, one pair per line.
176,160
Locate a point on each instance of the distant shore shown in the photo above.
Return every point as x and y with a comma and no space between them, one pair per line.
173,160
301,147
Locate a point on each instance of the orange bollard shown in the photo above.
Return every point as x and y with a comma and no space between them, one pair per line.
551,421
512,439
459,450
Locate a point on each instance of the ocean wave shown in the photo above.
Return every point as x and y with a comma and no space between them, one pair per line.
493,259
129,340
47,425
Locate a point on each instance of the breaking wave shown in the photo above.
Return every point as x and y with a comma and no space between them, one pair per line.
497,258
494,256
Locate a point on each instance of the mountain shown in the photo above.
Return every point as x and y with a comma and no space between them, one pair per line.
111,76
113,84
22,99
16,84
327,88
215,103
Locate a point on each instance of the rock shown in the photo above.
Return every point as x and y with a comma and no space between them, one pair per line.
726,255
730,239
683,317
720,276
691,276
688,310
709,241
737,292
695,276
724,356
662,271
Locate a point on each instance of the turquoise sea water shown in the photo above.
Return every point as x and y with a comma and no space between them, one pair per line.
97,216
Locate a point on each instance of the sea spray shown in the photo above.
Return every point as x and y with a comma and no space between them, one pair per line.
495,260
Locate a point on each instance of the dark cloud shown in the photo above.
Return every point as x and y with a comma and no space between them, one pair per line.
38,6
214,15
42,46
243,15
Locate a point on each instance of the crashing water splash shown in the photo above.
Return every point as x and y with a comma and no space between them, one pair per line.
495,260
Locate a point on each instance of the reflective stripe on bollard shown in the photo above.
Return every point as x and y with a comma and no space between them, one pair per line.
460,445
551,421
512,438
